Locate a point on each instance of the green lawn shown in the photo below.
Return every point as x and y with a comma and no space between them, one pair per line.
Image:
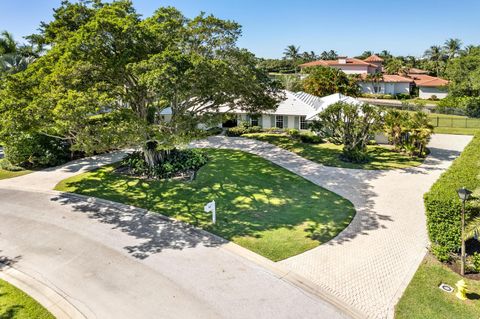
9,174
260,206
382,157
456,130
423,298
15,304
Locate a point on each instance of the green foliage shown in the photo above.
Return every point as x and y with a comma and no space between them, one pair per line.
6,165
464,74
243,129
476,261
291,82
310,138
442,253
106,59
214,131
351,126
472,107
402,96
293,132
408,132
35,150
261,206
322,81
277,65
178,162
443,207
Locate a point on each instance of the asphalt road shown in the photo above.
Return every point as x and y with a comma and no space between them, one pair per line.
113,262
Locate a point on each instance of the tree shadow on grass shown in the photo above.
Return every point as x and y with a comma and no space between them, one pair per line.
10,312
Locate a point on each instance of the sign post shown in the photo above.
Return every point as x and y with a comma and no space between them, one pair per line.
210,208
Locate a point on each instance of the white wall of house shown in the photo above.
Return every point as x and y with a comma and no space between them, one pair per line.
426,92
353,69
385,88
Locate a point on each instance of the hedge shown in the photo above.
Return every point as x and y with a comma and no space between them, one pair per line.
443,207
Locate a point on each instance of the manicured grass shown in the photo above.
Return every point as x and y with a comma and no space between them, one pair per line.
260,206
9,174
423,298
382,157
456,130
15,304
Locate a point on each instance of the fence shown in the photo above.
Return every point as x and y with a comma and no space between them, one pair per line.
459,122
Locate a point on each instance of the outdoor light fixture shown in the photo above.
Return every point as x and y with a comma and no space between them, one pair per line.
463,194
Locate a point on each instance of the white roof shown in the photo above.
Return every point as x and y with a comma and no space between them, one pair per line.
298,104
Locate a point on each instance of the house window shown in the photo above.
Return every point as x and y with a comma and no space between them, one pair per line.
279,121
254,121
303,123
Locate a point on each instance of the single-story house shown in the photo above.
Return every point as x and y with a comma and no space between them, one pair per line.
393,84
296,111
430,86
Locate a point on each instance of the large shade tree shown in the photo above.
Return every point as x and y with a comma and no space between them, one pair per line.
109,74
322,81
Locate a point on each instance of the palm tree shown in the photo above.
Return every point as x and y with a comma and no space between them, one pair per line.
292,53
469,49
375,78
385,54
14,62
436,56
7,43
453,47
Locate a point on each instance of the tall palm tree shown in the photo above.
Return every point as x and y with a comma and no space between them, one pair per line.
292,52
469,49
453,47
7,43
436,55
375,78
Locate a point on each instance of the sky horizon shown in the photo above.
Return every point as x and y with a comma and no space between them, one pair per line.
349,27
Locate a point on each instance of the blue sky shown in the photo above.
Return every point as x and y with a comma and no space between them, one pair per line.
347,26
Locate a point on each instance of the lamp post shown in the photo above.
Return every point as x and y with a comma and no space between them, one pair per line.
463,194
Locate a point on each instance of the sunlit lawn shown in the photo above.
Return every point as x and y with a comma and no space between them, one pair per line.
15,304
423,298
328,154
260,206
9,174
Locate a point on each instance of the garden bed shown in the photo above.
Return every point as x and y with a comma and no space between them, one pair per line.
328,154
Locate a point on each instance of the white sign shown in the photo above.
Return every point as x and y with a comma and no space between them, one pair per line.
210,208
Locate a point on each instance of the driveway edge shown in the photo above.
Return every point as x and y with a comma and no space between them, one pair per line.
49,298
276,269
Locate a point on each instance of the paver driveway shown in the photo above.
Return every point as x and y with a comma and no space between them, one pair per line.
369,264
115,261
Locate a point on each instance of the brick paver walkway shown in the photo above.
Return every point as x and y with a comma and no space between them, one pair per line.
372,261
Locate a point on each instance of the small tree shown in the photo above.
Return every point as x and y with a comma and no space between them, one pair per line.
351,125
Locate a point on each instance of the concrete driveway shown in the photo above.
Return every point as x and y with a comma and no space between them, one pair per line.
371,262
114,261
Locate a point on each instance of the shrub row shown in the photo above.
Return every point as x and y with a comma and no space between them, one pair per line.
35,150
443,207
243,129
177,162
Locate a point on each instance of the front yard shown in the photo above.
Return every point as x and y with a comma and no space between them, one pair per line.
328,154
423,298
260,206
15,304
9,174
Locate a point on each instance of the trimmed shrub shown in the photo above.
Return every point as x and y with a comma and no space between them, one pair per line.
177,162
242,129
311,139
403,96
476,261
214,131
443,207
293,132
472,106
36,150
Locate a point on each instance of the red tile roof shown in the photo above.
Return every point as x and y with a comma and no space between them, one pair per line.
390,78
427,80
349,61
417,71
373,58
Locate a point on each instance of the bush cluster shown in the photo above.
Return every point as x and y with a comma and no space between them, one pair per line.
443,207
243,129
177,162
36,150
378,96
465,105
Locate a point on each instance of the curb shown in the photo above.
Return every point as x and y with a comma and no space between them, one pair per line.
276,269
50,299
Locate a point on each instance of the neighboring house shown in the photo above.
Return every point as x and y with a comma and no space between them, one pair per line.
388,83
430,87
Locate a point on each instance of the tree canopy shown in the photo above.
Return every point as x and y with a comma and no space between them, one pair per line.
322,81
109,74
